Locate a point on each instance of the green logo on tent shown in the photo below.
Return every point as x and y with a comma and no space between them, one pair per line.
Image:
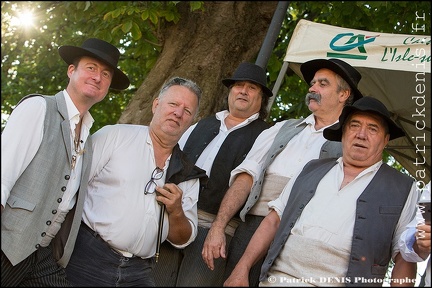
340,44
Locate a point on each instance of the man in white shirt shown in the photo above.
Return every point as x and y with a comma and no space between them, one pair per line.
217,144
136,168
338,221
277,154
46,152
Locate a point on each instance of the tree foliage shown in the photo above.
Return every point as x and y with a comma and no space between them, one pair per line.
30,62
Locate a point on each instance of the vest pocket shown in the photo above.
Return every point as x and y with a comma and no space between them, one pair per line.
16,202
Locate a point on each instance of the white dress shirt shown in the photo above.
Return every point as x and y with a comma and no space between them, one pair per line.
116,206
330,214
207,157
22,137
302,148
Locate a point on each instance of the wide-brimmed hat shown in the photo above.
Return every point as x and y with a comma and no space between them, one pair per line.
343,69
249,72
367,104
101,50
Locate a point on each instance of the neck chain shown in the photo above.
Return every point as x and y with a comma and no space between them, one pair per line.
77,149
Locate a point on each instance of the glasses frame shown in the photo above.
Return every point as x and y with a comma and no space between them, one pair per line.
156,175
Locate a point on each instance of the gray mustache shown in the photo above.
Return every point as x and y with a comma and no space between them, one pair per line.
312,96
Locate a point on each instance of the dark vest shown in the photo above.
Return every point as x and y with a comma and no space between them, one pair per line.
181,169
377,213
232,152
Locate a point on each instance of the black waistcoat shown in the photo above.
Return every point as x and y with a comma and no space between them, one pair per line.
232,152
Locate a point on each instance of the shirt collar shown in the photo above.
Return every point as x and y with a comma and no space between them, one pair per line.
73,113
371,169
221,115
310,121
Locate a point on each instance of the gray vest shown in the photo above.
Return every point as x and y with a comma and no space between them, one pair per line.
377,213
330,149
37,193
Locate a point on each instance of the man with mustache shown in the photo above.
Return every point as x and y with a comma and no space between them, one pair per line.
338,221
277,155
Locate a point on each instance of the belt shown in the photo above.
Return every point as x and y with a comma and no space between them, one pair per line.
97,236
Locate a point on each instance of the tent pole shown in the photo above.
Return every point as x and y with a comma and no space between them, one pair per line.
272,34
277,84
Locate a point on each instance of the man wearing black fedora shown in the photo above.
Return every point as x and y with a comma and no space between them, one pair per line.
277,154
217,144
337,222
46,152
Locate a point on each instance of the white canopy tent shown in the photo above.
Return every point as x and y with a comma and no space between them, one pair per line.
395,69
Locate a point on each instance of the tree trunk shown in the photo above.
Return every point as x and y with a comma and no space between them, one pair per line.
205,47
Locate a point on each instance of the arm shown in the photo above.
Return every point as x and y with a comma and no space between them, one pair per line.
414,242
235,197
21,139
256,249
241,181
403,273
422,245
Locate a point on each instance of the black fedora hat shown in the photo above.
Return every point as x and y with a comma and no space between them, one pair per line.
369,104
249,72
101,50
343,69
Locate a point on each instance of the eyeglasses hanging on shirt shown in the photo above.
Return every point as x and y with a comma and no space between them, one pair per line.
151,185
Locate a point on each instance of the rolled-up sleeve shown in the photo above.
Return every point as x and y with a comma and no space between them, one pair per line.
190,190
254,160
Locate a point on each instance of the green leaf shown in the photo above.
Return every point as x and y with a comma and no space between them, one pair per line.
145,15
126,27
154,18
116,28
195,5
117,13
136,31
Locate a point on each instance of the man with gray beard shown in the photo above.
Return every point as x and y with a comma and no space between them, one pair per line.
277,154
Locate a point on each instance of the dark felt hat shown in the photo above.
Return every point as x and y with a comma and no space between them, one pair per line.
369,104
101,50
249,72
343,69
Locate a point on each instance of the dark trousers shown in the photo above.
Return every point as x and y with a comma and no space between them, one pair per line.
38,270
186,268
238,245
94,264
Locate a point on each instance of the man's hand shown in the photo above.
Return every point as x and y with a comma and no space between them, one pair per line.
214,246
422,245
179,226
171,196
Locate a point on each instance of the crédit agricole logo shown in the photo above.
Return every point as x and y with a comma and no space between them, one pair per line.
351,46
348,41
